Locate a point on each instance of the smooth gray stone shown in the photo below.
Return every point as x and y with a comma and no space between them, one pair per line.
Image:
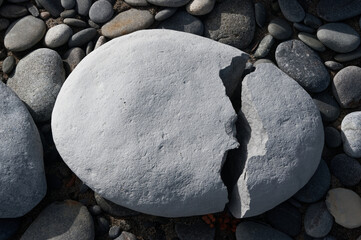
89,48
13,11
260,14
345,57
264,46
101,40
112,208
93,24
67,220
74,22
165,13
292,10
33,10
72,58
275,129
332,137
4,23
346,169
311,41
52,6
8,64
303,65
58,36
317,187
259,61
318,221
336,10
280,29
137,3
68,4
101,11
303,28
184,22
127,22
24,33
257,231
195,231
347,87
126,236
335,66
169,3
219,24
328,106
22,177
82,37
312,21
68,13
339,37
351,134
83,6
37,80
114,232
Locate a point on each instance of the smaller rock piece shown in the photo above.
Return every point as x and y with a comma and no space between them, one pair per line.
347,87
264,46
258,231
292,10
200,7
318,221
351,134
280,29
8,64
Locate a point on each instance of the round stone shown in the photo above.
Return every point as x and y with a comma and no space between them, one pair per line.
101,11
82,37
74,22
280,29
83,6
347,87
339,37
183,21
264,46
312,21
200,7
318,221
114,232
328,106
311,41
346,57
292,10
257,231
151,156
351,134
334,66
58,36
53,7
346,169
13,11
8,64
164,14
332,137
68,4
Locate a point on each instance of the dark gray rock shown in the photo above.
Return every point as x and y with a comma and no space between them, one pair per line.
68,4
83,6
89,48
285,218
4,23
137,3
37,80
169,3
126,236
311,41
112,208
102,226
335,10
219,24
312,21
114,232
347,87
184,22
264,46
101,11
303,65
257,231
57,36
332,137
351,134
318,221
82,37
74,22
8,64
72,58
345,57
260,14
13,11
52,6
95,210
8,227
317,187
68,13
339,37
164,14
346,169
334,66
195,231
24,33
22,178
328,106
303,28
66,220
292,10
280,29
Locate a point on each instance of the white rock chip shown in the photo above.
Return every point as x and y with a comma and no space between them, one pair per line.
145,122
200,7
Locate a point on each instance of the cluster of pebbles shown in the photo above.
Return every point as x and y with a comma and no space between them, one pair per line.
225,119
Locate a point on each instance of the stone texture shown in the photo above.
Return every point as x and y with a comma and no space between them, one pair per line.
200,7
152,167
257,231
318,221
58,36
351,134
183,21
169,3
219,24
347,87
292,10
260,14
67,220
37,80
336,10
276,129
303,65
22,178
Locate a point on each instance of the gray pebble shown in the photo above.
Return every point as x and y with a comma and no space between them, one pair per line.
52,6
347,87
260,14
264,47
101,11
114,232
74,22
137,3
312,21
303,28
280,29
351,134
58,36
328,106
95,210
101,40
68,13
83,6
292,10
126,236
345,57
93,24
318,221
332,137
72,58
89,47
8,64
82,37
311,41
336,10
13,11
183,21
168,3
335,66
346,169
259,61
68,4
33,10
164,14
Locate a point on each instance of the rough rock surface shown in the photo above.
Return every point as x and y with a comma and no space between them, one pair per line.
161,151
22,178
281,142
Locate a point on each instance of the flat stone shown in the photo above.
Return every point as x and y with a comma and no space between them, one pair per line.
82,37
345,206
24,33
260,14
257,231
83,6
8,227
351,134
101,11
335,10
196,231
332,137
140,175
264,46
219,24
346,169
327,105
33,10
169,3
303,28
334,66
312,21
114,232
68,13
127,22
318,221
137,3
68,4
74,22
273,135
184,22
37,80
200,7
13,11
345,57
52,6
317,187
89,48
165,13
347,87
339,37
311,41
67,220
8,64
22,177
58,36
292,10
280,29
303,65
72,58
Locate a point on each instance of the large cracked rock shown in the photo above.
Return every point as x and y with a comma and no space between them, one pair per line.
145,122
281,138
